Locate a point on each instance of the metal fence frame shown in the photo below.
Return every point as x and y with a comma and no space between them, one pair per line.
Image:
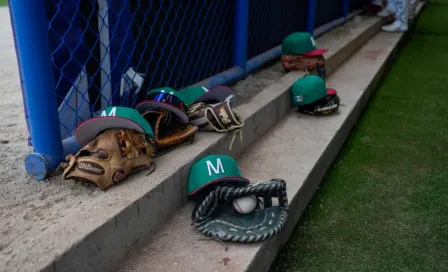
29,24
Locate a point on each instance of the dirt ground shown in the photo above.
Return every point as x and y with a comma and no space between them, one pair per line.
32,211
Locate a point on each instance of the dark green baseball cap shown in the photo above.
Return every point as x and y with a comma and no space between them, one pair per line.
301,43
221,93
165,98
112,117
309,89
214,170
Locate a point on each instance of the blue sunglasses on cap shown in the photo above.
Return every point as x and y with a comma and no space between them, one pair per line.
168,99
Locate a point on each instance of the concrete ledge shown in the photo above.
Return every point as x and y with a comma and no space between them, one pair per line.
101,228
300,149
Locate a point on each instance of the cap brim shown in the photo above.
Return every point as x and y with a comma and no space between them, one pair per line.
89,129
331,91
316,52
149,104
219,93
234,180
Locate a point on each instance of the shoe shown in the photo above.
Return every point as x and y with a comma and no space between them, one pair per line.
396,26
384,13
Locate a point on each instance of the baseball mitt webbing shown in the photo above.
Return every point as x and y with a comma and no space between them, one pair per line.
110,157
324,106
168,132
216,217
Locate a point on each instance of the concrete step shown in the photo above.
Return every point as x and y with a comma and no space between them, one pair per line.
299,149
86,229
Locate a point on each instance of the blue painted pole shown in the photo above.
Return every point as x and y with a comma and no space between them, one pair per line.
33,48
259,61
20,74
311,19
345,8
241,33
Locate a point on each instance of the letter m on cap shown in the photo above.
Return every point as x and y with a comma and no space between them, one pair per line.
217,169
112,112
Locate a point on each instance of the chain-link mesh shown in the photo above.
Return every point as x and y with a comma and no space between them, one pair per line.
110,52
271,21
101,47
327,11
357,4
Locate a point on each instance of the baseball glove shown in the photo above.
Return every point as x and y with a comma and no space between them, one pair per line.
215,216
324,106
168,132
220,117
313,65
109,158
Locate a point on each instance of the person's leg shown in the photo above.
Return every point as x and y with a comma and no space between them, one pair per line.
388,10
402,13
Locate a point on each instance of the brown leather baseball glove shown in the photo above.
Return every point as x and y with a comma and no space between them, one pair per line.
110,157
220,117
313,65
168,132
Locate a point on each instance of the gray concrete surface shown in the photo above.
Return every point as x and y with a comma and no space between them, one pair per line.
299,149
64,226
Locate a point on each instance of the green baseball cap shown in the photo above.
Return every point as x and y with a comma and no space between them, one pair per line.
301,43
213,170
112,117
309,89
221,93
165,98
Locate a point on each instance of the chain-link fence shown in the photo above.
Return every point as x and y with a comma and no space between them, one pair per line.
289,16
357,4
328,10
100,47
96,53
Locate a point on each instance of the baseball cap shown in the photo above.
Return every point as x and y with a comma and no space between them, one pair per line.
221,93
309,89
214,170
301,43
165,98
112,117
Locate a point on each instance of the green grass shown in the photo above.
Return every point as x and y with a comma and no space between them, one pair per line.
384,204
434,20
3,3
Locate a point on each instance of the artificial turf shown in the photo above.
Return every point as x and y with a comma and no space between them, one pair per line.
384,204
434,19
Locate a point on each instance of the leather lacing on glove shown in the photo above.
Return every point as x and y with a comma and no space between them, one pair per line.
214,218
129,147
207,108
168,132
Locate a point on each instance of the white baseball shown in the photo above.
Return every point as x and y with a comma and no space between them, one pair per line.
245,205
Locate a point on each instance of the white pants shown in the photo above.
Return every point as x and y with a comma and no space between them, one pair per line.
400,8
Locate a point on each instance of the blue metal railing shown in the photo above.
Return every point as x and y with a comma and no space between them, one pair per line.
77,57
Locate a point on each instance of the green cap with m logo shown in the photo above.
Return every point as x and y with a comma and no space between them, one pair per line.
301,43
211,171
112,117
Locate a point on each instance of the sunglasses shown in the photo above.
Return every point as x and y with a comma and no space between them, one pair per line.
168,99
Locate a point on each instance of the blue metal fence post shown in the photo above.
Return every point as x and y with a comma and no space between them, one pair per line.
241,33
345,8
33,48
311,19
